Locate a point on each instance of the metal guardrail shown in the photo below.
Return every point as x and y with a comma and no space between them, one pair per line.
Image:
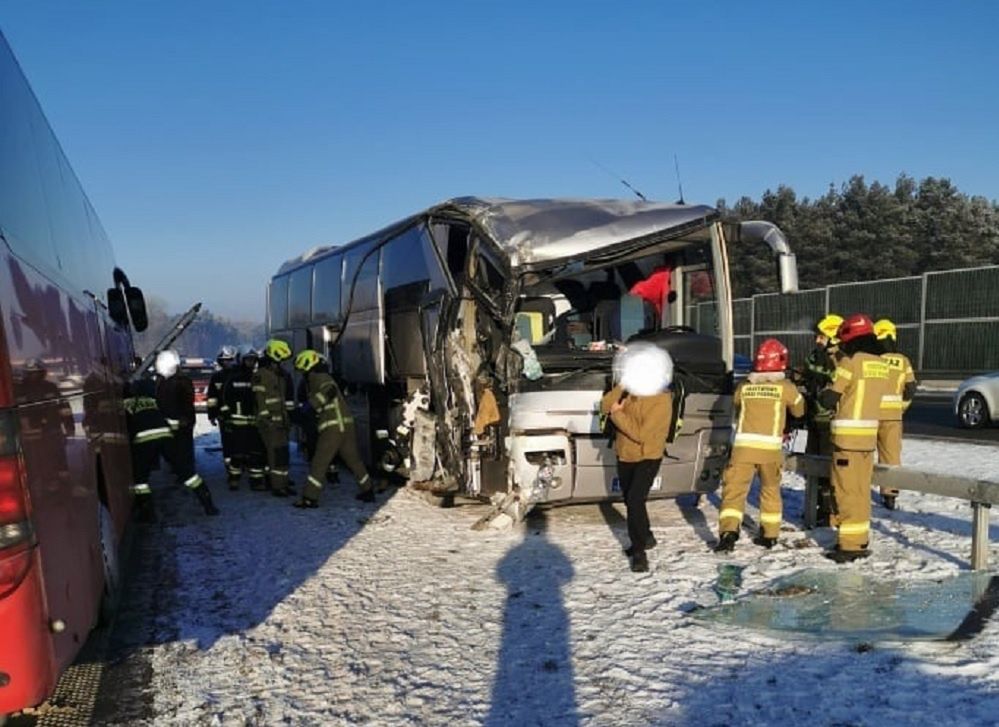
982,494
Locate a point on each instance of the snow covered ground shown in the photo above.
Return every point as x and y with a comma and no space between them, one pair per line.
398,613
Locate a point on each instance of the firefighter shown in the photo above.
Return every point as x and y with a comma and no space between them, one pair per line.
893,404
763,401
239,406
640,407
270,389
150,438
337,436
860,380
218,411
175,400
815,376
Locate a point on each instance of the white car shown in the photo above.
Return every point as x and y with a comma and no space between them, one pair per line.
976,401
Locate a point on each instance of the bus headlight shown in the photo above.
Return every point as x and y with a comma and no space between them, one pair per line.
546,475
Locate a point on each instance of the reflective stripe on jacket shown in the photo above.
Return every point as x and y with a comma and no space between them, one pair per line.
861,380
763,401
900,373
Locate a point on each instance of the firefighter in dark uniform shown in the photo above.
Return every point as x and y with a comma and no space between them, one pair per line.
218,412
337,436
239,406
151,438
270,389
815,376
305,417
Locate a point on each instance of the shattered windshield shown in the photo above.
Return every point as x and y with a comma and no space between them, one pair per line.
598,310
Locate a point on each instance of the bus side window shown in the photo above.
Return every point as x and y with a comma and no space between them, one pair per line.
457,250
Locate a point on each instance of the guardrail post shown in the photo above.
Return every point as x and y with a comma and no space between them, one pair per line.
980,535
811,502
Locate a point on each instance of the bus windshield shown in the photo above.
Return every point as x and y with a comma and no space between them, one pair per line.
598,310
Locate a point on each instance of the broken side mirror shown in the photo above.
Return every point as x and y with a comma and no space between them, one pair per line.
117,308
137,308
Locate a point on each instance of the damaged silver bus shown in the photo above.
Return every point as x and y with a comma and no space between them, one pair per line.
474,340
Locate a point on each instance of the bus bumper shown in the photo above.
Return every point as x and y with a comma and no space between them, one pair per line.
27,674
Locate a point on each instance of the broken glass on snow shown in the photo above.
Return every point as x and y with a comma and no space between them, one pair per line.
842,604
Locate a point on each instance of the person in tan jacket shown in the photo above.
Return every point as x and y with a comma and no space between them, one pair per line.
862,379
640,408
762,401
902,387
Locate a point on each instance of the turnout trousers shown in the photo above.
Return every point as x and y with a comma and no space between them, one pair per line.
851,478
275,440
233,466
820,442
248,453
331,444
736,482
636,480
889,447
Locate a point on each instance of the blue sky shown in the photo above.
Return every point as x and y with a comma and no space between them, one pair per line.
217,139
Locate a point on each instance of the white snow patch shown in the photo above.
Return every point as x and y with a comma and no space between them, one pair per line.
400,614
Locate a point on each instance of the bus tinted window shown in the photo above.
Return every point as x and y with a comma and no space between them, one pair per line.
326,293
300,297
409,259
366,285
278,312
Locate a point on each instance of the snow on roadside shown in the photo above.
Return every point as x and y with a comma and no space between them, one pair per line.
398,613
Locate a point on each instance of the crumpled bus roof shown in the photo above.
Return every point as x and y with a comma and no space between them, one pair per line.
537,231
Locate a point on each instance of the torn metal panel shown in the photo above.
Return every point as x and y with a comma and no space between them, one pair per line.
845,604
538,231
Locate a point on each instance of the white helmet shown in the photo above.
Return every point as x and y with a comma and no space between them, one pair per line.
643,369
167,363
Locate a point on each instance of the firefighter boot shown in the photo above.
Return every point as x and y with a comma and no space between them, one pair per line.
764,541
306,503
888,501
726,542
846,556
205,498
367,495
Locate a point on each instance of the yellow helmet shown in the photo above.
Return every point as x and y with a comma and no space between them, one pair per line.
307,359
829,325
885,329
277,350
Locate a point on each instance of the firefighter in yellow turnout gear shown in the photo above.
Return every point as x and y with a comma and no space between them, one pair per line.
763,401
860,382
902,387
337,436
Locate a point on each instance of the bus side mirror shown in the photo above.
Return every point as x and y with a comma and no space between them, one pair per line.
787,272
117,308
137,308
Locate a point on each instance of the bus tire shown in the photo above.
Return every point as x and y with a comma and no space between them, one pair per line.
111,566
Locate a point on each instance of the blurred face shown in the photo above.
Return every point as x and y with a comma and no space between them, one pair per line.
821,340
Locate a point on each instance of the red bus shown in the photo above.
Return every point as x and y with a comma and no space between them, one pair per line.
66,314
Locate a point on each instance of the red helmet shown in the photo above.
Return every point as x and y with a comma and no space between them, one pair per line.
771,356
855,326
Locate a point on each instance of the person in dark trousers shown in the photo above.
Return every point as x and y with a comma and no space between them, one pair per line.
270,390
239,406
337,436
151,438
218,412
640,408
816,375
